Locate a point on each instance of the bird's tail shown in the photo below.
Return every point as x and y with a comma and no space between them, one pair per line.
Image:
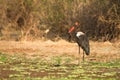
87,51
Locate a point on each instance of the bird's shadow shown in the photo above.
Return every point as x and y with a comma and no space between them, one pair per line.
71,64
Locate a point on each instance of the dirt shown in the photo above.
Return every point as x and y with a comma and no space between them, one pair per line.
99,51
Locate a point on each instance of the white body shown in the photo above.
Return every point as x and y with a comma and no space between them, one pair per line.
79,34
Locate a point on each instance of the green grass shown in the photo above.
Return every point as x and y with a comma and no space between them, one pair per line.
21,68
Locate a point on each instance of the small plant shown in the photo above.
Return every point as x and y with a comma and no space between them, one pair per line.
3,58
57,60
67,60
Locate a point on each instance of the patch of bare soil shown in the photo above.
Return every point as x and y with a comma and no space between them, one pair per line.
99,51
5,73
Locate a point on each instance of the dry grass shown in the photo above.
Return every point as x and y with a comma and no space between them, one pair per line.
100,51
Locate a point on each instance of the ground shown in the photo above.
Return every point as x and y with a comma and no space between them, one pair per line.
61,53
99,51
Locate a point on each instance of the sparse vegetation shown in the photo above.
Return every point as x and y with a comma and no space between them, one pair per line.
29,30
13,67
57,61
28,19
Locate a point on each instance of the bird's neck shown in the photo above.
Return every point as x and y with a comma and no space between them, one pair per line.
73,35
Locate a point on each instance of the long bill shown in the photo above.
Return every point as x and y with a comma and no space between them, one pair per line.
71,29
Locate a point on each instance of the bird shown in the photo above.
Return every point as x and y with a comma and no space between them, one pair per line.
81,39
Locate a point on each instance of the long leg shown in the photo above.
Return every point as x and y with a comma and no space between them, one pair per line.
79,55
83,55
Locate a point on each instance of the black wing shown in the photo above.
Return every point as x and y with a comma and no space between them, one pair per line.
83,42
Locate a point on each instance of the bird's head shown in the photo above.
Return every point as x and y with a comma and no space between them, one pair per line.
76,24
